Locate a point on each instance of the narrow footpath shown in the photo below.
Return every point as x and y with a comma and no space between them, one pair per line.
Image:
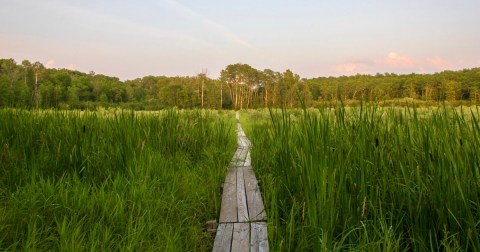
242,223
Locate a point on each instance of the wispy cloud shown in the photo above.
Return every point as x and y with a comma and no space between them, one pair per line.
117,23
209,23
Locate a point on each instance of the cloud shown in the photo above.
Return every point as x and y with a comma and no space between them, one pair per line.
72,67
209,23
395,60
350,68
50,63
397,63
113,22
438,62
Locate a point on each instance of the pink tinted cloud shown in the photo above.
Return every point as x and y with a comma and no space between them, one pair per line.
396,62
72,67
50,63
350,68
439,63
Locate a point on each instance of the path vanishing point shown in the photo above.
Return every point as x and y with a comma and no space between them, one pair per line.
242,223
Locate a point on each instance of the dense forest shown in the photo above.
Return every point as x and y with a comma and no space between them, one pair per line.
240,86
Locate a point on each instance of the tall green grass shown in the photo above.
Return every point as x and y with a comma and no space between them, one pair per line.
76,181
369,178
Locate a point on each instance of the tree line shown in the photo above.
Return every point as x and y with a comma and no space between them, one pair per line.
239,86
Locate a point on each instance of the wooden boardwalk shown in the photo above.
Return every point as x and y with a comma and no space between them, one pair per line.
242,223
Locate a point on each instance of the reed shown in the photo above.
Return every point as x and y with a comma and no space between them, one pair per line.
112,180
370,178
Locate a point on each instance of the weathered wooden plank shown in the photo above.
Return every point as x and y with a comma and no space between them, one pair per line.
242,205
228,210
258,237
241,237
239,141
233,161
244,156
255,205
238,158
241,197
243,141
240,131
223,238
248,159
246,140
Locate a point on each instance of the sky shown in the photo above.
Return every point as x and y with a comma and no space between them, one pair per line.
313,38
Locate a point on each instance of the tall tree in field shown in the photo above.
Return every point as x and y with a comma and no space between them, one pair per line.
304,93
452,89
230,76
38,70
288,88
202,78
243,81
269,79
27,87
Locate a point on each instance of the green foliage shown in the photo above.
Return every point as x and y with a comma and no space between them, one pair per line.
240,86
369,178
111,180
423,89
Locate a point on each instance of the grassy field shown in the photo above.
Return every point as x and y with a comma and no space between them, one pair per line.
361,178
369,178
109,181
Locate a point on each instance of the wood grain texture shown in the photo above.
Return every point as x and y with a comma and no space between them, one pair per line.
241,237
223,238
228,210
241,197
255,205
248,159
243,156
237,158
242,217
258,237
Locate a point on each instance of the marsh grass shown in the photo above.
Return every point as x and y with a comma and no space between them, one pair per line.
370,178
76,181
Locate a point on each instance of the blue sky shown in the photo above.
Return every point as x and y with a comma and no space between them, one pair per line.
131,39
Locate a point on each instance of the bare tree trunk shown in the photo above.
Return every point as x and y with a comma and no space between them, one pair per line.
266,96
241,98
249,98
36,93
236,95
202,90
274,98
232,92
